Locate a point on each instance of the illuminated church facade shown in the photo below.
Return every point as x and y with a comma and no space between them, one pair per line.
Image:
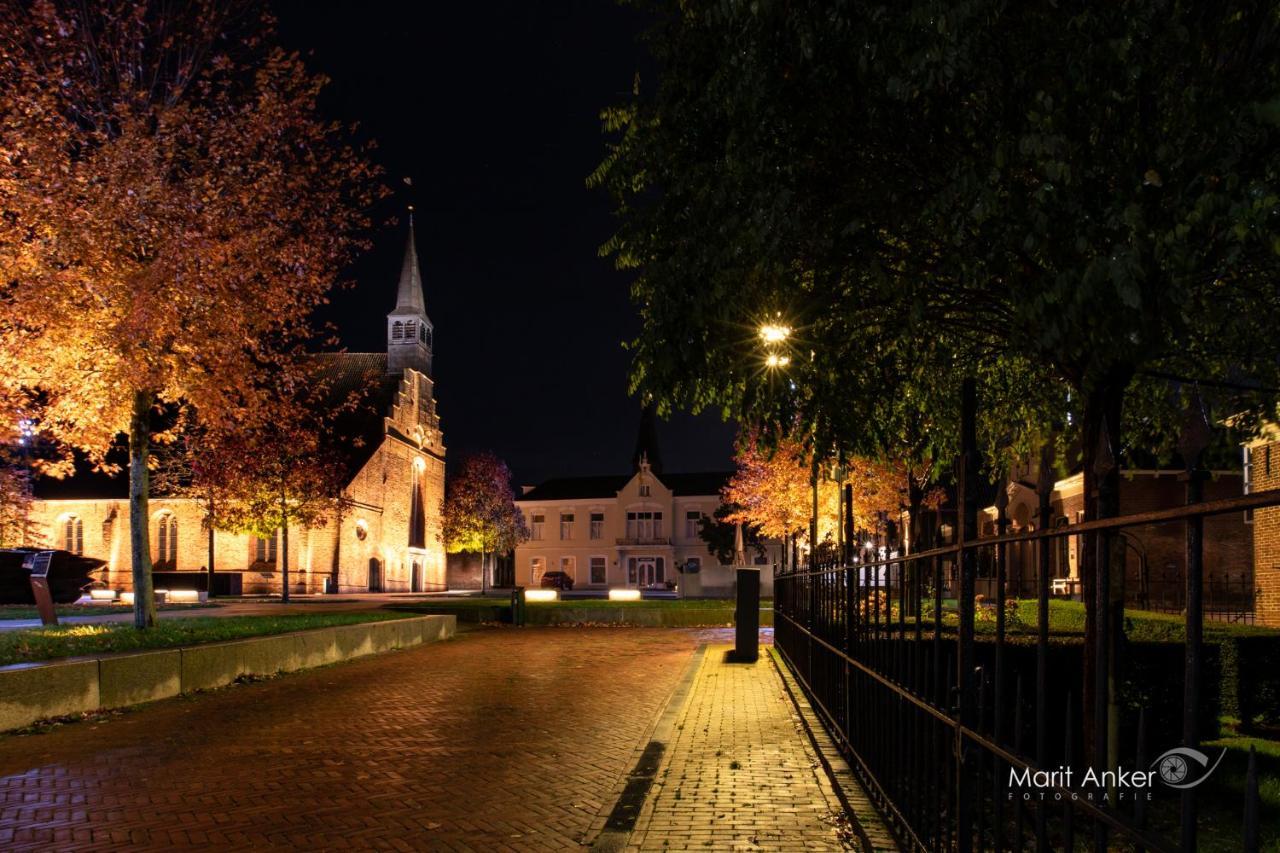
387,538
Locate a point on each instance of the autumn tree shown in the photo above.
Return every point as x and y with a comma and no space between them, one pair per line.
480,514
772,489
15,502
171,200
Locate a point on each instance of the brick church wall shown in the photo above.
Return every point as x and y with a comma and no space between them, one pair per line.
1264,475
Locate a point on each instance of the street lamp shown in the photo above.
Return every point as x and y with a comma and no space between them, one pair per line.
774,333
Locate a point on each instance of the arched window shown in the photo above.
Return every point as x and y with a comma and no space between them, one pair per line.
426,335
417,516
397,331
167,541
422,333
410,330
73,535
264,549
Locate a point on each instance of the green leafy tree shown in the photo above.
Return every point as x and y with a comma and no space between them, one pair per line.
1078,205
480,513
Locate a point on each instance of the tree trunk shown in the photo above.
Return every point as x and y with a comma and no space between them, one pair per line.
144,603
284,552
1103,408
212,570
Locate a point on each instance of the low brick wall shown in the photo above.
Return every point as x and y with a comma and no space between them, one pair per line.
31,692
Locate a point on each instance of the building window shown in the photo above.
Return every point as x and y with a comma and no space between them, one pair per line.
599,571
410,330
535,525
566,525
644,491
644,525
426,335
569,565
1248,480
73,535
264,549
397,331
537,568
422,333
597,525
691,520
167,541
417,513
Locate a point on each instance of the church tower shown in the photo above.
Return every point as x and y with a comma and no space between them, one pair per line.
409,330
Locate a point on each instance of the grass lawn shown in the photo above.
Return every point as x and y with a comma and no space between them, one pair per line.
28,611
1066,618
38,644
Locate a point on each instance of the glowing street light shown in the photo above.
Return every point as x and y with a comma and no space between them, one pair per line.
775,360
773,333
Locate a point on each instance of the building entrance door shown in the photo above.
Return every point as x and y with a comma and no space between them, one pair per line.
648,571
415,581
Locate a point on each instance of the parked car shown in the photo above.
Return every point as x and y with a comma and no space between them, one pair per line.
556,580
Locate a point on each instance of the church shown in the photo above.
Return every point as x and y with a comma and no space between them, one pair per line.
387,539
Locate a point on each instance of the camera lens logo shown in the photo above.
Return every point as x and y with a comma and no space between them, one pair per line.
1183,767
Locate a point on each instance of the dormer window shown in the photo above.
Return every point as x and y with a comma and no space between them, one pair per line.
644,491
397,331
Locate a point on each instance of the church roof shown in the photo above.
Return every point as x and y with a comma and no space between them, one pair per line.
608,486
409,298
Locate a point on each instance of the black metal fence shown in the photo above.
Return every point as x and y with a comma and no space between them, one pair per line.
963,726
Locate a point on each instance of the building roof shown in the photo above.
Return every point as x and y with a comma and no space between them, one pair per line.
356,434
409,298
608,486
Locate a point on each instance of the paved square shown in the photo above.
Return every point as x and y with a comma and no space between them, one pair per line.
499,740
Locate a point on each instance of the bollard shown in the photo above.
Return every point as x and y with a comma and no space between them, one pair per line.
747,617
517,606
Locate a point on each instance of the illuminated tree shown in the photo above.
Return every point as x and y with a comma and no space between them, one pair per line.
170,201
480,514
772,489
15,503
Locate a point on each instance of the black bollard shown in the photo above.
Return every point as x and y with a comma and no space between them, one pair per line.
747,616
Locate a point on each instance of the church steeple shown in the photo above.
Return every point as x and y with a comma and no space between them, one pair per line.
409,330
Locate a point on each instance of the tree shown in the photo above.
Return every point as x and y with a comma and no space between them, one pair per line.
281,464
721,535
1080,196
15,503
171,201
772,489
480,514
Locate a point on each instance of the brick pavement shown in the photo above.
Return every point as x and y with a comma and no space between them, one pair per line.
738,772
498,740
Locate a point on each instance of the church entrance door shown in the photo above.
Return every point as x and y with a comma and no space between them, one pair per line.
375,575
415,581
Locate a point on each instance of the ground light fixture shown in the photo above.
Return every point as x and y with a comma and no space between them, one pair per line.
542,595
624,595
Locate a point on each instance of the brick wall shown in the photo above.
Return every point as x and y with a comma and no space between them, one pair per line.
1264,475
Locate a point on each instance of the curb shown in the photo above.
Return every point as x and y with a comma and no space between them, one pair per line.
38,691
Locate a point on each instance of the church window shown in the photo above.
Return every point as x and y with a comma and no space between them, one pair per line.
73,535
264,549
167,541
410,330
417,515
424,335
397,331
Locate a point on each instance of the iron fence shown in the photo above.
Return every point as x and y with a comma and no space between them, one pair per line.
956,720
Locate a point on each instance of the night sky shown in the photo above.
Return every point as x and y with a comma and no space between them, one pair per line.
492,110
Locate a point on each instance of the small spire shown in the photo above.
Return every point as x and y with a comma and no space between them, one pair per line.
409,298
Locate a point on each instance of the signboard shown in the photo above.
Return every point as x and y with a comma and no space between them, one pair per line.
38,563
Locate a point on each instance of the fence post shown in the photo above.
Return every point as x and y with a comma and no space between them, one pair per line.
1195,438
1044,491
967,495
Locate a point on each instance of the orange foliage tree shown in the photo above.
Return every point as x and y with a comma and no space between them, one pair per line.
773,489
169,201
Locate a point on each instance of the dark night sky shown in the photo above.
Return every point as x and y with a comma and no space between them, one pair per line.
492,110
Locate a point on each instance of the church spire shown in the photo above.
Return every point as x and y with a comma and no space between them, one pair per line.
409,331
409,297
